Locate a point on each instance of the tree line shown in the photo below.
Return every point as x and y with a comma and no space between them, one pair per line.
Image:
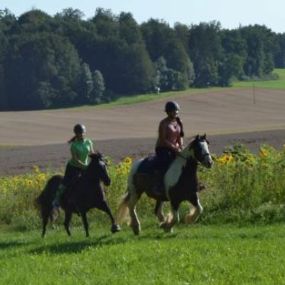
63,60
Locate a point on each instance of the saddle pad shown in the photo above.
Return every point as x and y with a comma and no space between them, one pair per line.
148,165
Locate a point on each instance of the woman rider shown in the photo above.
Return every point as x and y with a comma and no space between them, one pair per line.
170,140
80,148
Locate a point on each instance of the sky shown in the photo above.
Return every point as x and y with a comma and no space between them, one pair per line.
230,13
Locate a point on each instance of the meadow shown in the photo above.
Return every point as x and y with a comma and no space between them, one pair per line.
197,255
239,238
278,83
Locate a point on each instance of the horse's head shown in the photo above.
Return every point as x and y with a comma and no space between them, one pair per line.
98,167
199,150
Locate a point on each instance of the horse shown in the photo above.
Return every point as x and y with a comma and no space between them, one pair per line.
84,193
180,184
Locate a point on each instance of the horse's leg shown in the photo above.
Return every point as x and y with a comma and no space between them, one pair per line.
104,207
195,212
158,211
170,222
45,217
67,219
135,223
85,223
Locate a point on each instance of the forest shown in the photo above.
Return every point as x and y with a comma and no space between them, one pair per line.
66,60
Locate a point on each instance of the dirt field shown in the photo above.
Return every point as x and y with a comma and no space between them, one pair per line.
228,116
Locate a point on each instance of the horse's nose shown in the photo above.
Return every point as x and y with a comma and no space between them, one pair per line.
209,163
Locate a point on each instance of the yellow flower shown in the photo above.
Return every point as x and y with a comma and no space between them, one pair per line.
225,159
263,152
36,169
128,160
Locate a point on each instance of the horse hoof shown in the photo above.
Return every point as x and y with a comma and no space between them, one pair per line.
136,230
166,228
115,228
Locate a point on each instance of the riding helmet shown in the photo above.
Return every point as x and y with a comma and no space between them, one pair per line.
171,106
79,129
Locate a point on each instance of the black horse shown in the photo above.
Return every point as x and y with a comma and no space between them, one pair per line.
180,183
85,193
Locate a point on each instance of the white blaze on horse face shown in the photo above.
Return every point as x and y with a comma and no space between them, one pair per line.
206,153
174,172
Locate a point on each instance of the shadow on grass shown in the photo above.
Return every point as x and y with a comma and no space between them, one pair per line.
11,244
79,246
70,246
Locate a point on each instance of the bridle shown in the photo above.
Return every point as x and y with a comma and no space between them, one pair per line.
192,155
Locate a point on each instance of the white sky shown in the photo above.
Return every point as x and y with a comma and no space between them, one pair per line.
230,13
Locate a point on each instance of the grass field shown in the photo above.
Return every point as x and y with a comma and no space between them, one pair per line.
191,255
271,84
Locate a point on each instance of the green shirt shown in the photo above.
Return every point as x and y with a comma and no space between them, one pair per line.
81,149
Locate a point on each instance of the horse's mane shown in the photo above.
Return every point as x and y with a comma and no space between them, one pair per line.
197,138
97,156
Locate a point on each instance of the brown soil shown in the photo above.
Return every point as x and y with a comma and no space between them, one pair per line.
21,159
228,116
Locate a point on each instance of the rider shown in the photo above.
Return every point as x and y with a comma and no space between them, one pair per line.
169,142
80,148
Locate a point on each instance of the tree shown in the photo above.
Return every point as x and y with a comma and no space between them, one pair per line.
182,34
129,30
279,53
134,71
157,36
39,63
234,58
106,23
85,85
261,44
178,60
34,21
206,53
3,50
97,94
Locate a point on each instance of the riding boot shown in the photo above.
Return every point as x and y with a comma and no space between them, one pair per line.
58,195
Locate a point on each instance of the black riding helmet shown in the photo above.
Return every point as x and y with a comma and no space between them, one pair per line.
171,106
79,129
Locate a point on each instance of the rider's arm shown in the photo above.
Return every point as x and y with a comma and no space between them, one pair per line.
91,147
180,142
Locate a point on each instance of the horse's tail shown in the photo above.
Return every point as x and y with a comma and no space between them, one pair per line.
48,193
123,210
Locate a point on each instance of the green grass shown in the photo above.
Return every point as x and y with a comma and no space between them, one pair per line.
135,99
271,84
128,100
191,255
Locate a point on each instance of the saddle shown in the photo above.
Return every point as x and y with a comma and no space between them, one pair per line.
149,165
149,177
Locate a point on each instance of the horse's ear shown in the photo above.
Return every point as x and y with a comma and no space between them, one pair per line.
204,137
197,137
95,155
